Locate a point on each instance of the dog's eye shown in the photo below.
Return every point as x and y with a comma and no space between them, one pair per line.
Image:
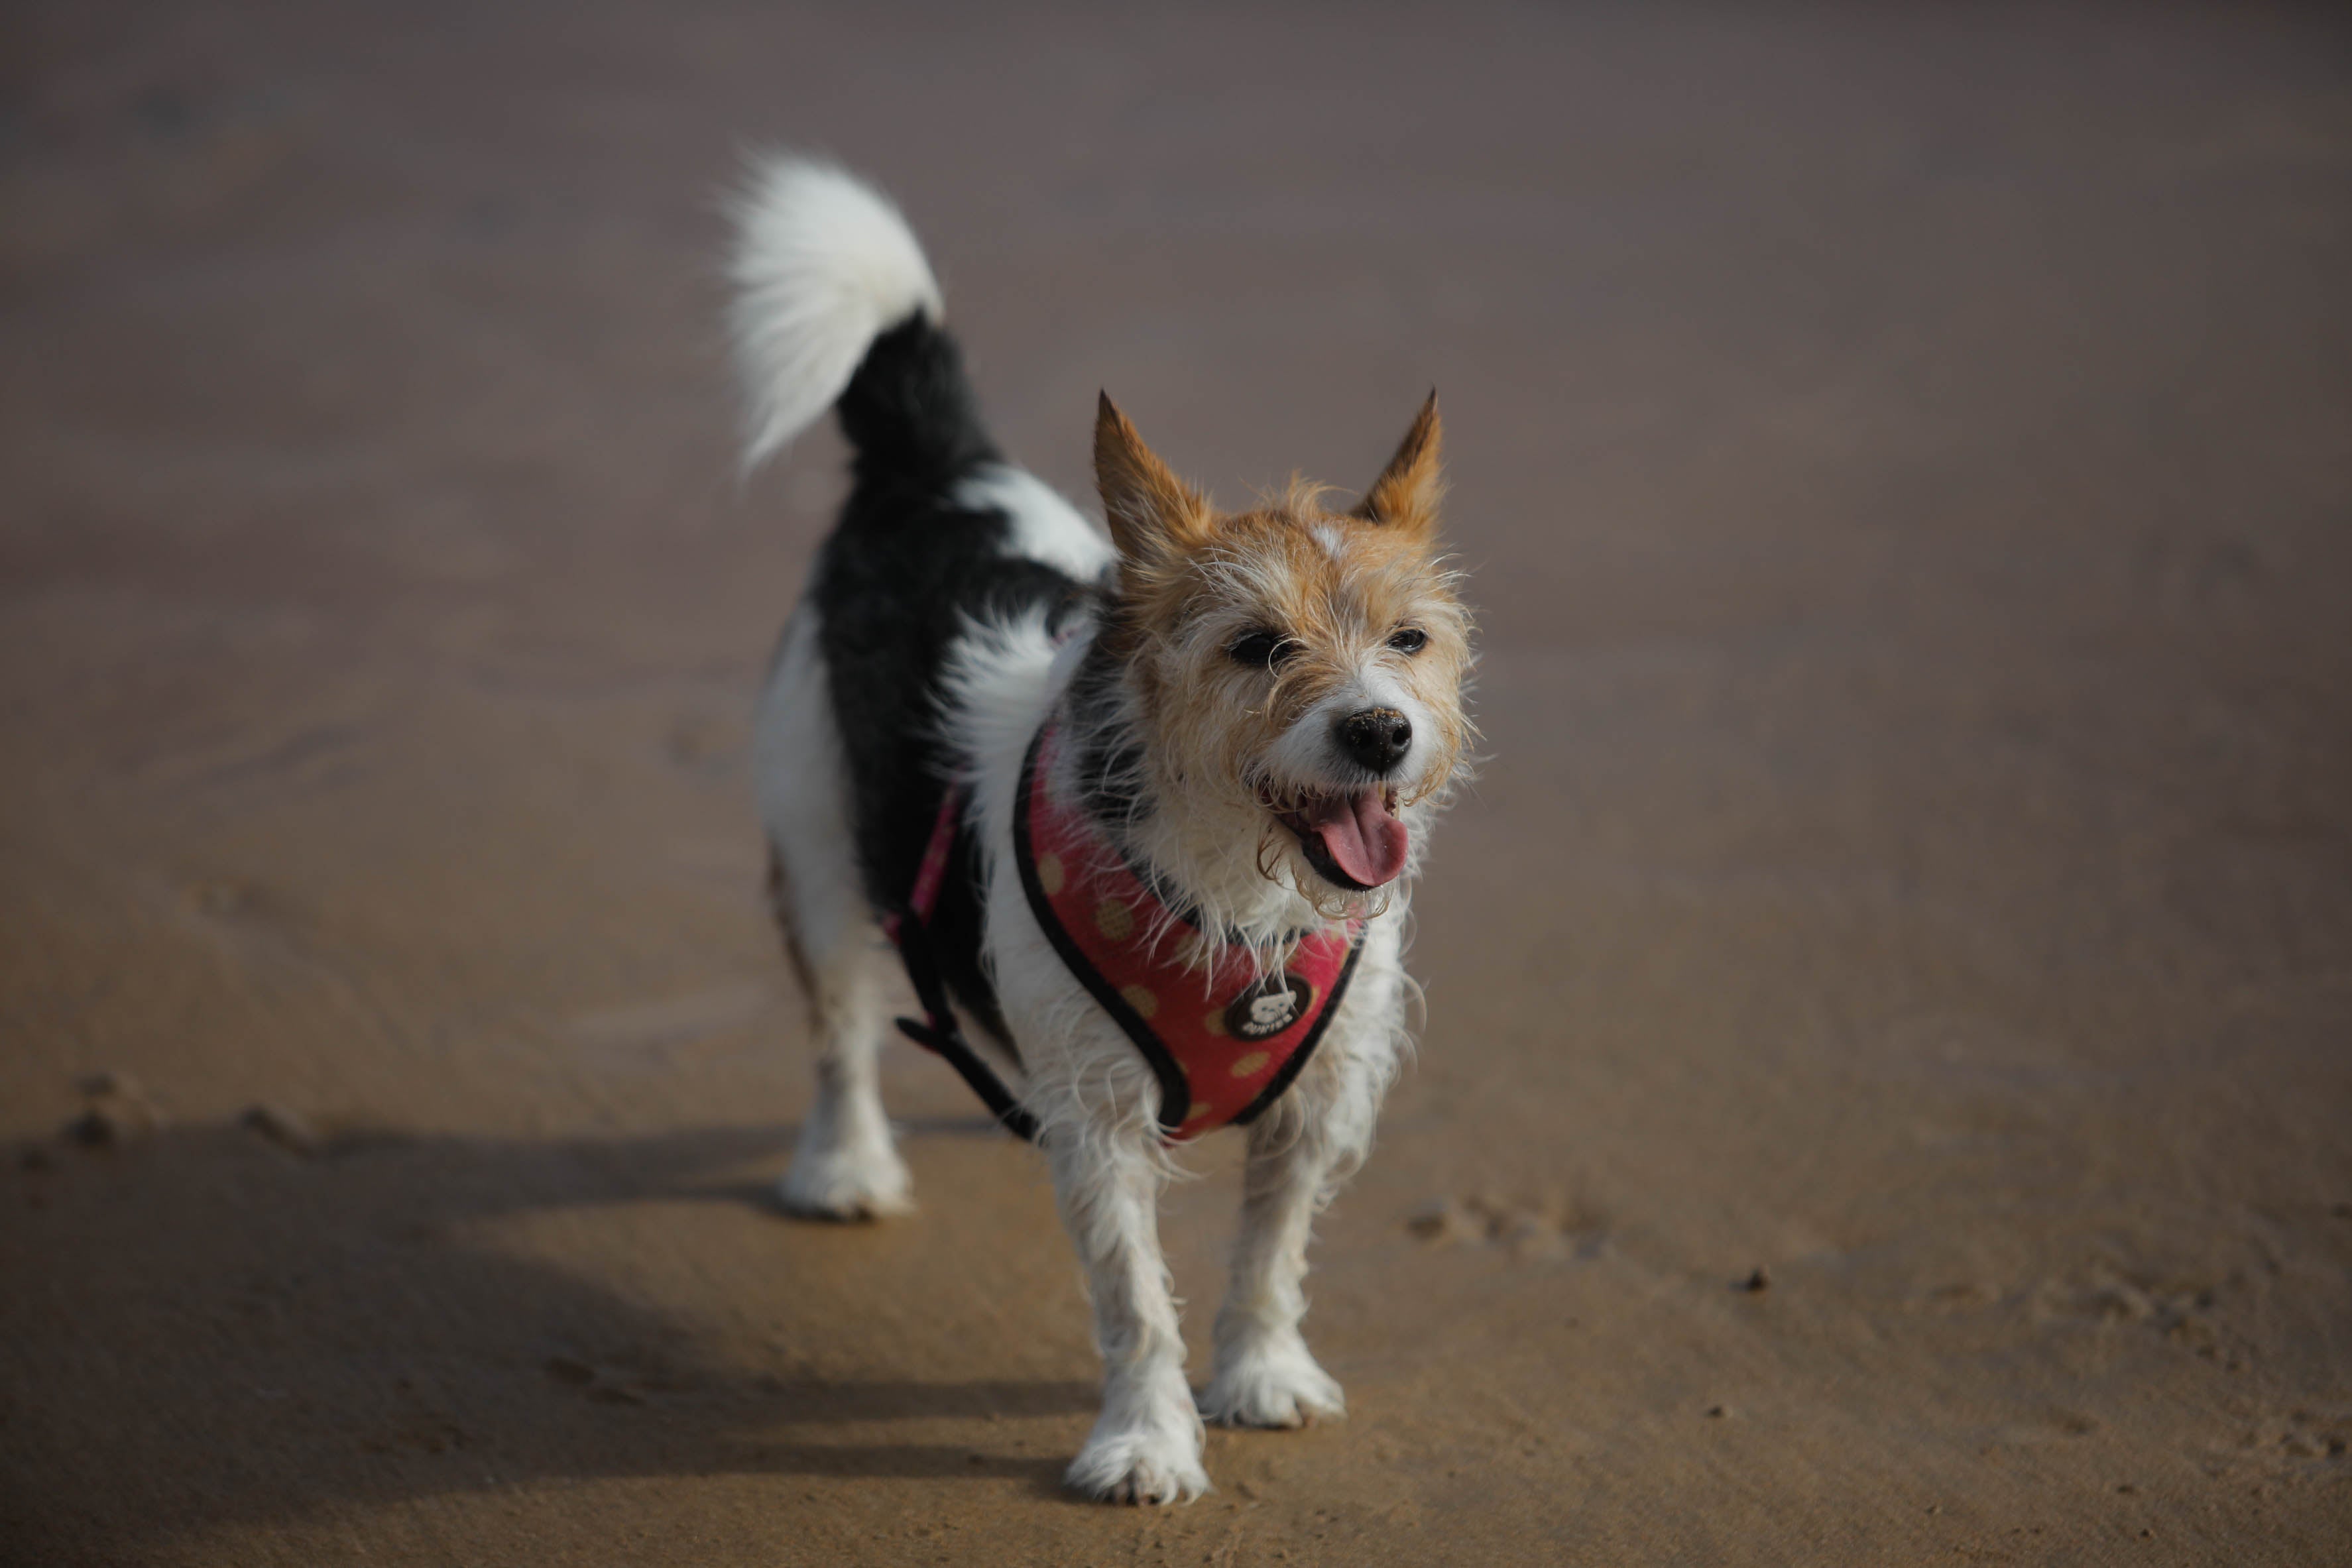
1411,640
1262,650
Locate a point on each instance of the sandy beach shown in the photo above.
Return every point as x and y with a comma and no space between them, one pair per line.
1885,1095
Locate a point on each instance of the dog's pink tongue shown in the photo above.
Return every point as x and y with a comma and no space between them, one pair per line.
1361,835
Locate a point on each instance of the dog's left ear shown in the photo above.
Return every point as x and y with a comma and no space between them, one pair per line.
1406,494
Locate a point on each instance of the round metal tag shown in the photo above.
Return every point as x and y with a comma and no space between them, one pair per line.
1268,1006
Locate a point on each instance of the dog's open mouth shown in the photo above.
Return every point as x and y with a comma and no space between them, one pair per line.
1352,838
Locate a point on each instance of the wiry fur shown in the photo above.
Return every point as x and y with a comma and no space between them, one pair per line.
899,672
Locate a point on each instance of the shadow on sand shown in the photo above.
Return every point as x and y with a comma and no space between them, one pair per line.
346,1327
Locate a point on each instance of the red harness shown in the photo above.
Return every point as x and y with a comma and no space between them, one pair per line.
1223,1039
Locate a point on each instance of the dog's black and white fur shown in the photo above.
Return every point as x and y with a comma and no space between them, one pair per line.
1206,667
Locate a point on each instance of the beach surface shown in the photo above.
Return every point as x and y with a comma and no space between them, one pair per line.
1885,1092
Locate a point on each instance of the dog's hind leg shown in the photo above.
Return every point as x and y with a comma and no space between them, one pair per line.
844,1166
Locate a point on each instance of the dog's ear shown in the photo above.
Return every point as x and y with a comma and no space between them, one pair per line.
1152,512
1406,494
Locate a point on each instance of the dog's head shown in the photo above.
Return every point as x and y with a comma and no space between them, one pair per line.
1305,663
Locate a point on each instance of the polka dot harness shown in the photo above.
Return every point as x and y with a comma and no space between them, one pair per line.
1223,1039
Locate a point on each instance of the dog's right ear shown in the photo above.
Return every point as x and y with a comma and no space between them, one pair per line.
1152,514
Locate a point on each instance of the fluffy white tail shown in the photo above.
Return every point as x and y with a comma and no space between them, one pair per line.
822,264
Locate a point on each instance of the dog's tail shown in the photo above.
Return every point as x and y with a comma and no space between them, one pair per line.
835,305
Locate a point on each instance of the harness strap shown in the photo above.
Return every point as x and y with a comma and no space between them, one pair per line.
933,871
937,1031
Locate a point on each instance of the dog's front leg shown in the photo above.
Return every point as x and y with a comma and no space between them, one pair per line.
1265,1376
1146,1445
1299,1153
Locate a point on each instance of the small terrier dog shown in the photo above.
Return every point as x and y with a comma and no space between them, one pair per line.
1148,807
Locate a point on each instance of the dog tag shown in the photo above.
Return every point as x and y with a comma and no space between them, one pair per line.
1268,1006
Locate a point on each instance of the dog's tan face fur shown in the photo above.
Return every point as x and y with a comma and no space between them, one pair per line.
1253,637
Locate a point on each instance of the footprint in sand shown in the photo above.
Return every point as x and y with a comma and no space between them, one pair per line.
1527,1230
2188,1314
2307,1435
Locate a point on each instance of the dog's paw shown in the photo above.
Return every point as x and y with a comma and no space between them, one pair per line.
1276,1384
847,1183
1145,1466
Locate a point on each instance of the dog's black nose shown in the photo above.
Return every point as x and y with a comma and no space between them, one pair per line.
1377,737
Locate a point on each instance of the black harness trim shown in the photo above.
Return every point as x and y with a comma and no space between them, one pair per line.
1175,1088
1175,1092
937,1031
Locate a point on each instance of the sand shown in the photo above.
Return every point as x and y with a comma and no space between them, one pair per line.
1904,468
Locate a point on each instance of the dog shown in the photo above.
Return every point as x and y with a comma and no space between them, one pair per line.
1147,805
